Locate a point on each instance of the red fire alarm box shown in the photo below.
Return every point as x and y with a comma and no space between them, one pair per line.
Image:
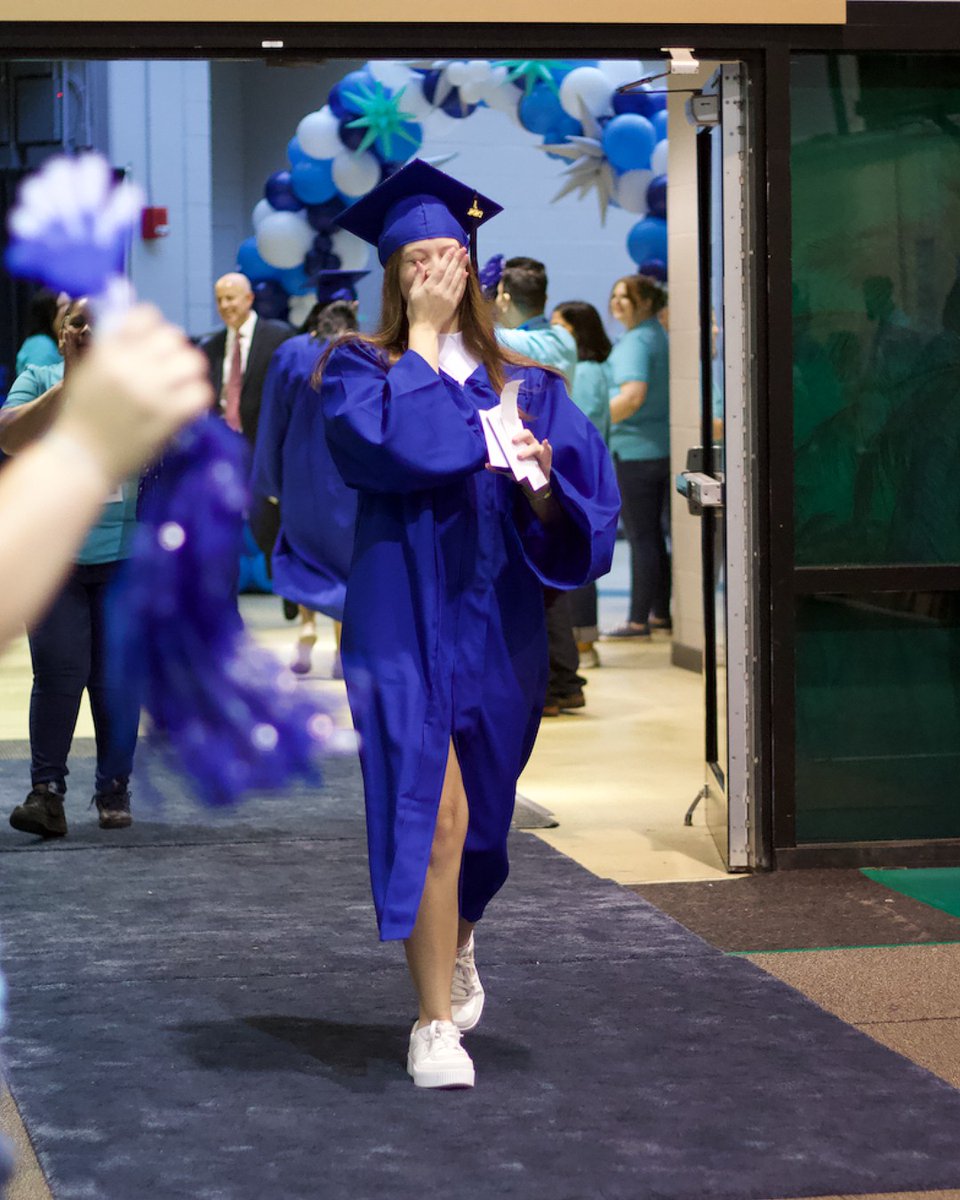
153,223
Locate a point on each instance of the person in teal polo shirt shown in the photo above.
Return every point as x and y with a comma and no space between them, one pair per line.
639,366
70,646
521,303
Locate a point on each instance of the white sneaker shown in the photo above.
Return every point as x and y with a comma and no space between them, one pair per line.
467,994
302,656
436,1059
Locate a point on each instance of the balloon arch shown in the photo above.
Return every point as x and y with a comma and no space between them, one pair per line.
614,143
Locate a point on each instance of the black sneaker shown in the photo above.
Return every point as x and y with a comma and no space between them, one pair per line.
41,813
113,805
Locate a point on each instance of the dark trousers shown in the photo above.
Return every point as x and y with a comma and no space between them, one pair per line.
645,495
69,650
583,612
563,680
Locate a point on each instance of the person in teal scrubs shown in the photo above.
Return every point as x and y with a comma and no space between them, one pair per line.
639,367
591,394
70,646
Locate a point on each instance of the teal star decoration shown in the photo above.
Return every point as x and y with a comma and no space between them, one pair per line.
531,71
381,117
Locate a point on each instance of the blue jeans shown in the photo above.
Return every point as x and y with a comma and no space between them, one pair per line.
69,650
645,496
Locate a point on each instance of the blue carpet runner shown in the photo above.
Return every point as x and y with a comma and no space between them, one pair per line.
199,1009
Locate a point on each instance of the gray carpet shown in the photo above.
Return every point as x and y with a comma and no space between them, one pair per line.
199,1008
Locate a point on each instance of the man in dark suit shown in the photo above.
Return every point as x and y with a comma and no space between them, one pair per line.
240,354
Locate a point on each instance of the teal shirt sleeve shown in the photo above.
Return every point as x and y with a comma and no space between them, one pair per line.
32,383
551,346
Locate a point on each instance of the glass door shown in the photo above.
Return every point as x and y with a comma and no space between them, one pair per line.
716,482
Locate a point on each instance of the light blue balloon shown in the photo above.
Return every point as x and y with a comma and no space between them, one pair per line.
628,142
312,180
252,265
659,123
295,152
648,239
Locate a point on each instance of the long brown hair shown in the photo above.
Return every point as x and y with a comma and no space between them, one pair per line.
476,325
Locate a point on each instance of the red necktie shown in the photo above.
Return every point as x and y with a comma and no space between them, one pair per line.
231,408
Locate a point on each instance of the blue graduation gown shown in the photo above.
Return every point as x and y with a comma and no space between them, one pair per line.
318,512
444,634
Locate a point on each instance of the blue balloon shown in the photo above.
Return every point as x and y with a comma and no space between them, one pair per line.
657,196
340,105
279,192
656,268
659,123
628,142
557,134
658,101
429,84
295,281
321,217
319,259
351,138
251,264
638,102
648,239
453,106
295,152
270,300
312,180
540,111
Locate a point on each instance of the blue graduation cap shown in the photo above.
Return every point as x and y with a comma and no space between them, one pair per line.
417,203
338,285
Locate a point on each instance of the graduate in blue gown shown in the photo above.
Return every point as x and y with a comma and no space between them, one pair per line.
292,467
444,642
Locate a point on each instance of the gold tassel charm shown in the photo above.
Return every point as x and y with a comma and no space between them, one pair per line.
475,210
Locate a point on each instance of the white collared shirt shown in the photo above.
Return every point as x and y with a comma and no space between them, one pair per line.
455,359
245,333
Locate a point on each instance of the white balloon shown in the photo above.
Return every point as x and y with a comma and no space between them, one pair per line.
586,87
660,158
393,75
355,174
353,252
631,192
622,70
283,239
414,101
472,92
479,69
456,72
319,134
505,98
299,308
261,211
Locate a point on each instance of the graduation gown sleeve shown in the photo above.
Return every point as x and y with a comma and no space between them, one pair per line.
396,428
578,547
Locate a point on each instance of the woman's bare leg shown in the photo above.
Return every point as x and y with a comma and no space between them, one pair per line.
432,947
